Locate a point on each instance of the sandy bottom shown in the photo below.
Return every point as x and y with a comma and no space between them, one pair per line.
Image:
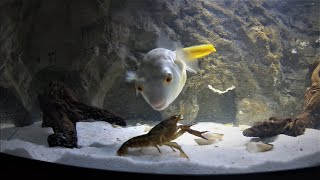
99,142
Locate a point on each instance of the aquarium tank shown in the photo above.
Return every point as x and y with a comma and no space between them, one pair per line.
180,87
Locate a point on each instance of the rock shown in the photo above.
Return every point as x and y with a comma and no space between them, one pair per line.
254,147
12,109
62,110
243,127
248,108
294,126
90,45
211,138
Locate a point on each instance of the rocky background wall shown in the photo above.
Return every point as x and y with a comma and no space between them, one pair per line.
264,49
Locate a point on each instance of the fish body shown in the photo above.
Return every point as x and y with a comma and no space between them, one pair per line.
162,73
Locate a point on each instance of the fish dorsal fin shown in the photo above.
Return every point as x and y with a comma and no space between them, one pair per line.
132,77
189,55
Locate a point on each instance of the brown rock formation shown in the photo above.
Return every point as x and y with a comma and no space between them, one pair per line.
61,111
309,118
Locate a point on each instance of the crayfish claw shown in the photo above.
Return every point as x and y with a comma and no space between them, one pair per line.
194,132
202,135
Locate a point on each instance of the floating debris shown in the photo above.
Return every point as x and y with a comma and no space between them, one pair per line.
211,139
254,147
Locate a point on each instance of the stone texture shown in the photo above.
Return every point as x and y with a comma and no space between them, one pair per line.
264,48
12,109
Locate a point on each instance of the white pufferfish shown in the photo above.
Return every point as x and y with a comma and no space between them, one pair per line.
162,75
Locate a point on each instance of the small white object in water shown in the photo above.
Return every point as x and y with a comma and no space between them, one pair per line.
219,91
275,81
212,138
304,44
294,51
254,147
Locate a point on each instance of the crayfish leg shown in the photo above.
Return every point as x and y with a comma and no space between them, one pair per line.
179,133
157,148
173,149
176,145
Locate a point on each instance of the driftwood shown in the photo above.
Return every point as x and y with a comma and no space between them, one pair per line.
61,110
309,118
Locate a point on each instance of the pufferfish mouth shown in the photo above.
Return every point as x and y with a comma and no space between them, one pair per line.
158,103
159,106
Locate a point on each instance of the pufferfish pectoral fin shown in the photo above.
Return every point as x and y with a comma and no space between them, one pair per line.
190,54
132,77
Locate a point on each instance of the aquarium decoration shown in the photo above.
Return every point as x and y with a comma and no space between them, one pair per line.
211,138
293,126
255,147
61,110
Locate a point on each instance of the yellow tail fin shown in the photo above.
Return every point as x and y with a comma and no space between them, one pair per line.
199,51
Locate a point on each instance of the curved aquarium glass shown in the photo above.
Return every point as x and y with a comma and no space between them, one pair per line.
184,87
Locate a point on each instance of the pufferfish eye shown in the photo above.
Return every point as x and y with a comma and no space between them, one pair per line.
168,79
139,88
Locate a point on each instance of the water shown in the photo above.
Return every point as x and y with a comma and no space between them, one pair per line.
267,50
